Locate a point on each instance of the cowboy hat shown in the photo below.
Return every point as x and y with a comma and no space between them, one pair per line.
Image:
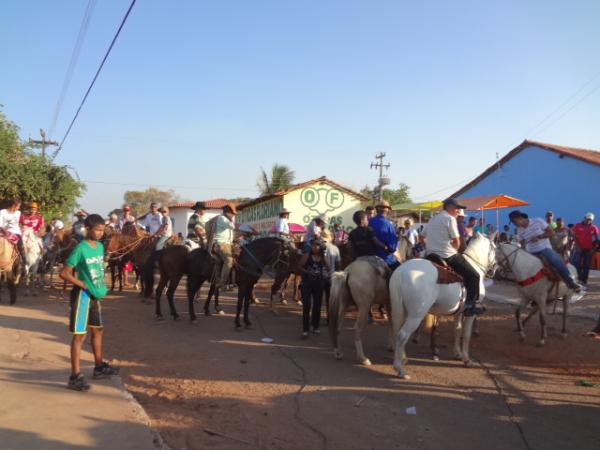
383,204
284,211
323,218
198,205
326,235
230,207
33,205
453,202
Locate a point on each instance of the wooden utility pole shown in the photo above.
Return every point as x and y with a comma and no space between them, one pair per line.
43,142
383,180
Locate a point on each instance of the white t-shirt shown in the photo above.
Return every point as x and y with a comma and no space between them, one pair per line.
152,221
332,255
535,228
439,233
168,231
412,235
10,221
281,226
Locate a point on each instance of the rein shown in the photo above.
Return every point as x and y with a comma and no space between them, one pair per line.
120,252
274,262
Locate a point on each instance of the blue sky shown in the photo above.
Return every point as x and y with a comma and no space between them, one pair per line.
204,94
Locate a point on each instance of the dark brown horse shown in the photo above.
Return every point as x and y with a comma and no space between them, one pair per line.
269,254
10,268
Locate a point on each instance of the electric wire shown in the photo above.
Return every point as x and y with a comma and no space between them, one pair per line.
94,79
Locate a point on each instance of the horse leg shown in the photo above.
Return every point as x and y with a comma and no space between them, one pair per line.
435,351
402,337
359,326
458,329
520,325
211,291
544,335
534,310
191,298
247,300
170,293
466,338
238,308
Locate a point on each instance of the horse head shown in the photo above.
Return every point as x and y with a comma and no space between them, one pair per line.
482,251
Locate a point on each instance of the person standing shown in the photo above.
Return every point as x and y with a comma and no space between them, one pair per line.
223,242
340,236
385,232
443,239
282,227
560,239
313,268
585,236
84,269
196,231
334,262
33,219
550,220
534,236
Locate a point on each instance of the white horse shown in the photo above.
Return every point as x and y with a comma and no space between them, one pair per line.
534,286
414,292
32,245
363,282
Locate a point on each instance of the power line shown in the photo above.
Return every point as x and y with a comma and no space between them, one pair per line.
94,79
87,15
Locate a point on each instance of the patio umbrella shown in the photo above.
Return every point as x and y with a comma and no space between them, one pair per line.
497,202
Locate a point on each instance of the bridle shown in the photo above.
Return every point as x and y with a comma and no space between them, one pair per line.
505,263
278,259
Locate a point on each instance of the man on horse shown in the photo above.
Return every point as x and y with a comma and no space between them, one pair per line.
126,219
386,233
443,239
534,234
196,225
33,219
362,239
79,226
9,223
282,227
222,242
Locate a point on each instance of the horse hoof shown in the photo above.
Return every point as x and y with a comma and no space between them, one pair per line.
541,343
274,312
468,363
366,362
221,312
436,358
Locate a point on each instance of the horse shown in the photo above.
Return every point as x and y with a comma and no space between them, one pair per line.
258,256
10,267
364,282
176,261
32,245
534,286
414,291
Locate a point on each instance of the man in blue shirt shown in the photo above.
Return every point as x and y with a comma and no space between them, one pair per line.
386,233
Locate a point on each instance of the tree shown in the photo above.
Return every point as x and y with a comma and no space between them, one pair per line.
393,196
139,201
282,177
32,177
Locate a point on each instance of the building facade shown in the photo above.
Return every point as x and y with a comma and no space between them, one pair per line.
563,180
180,213
304,201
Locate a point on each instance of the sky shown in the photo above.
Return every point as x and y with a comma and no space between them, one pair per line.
198,96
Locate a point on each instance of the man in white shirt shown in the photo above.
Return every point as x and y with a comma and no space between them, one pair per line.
443,239
165,231
153,219
534,234
282,228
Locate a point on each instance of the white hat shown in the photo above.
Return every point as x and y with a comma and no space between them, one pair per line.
461,212
589,216
323,217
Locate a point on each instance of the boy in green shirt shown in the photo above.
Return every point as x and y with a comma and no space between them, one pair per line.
87,260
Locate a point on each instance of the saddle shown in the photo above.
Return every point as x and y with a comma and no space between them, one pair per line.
378,264
446,275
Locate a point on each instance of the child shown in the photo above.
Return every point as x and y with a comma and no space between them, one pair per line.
87,259
362,239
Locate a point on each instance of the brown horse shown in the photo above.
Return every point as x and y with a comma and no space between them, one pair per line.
10,268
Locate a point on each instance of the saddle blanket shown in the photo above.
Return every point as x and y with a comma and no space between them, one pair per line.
378,264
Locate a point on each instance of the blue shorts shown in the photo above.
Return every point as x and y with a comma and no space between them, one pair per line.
85,312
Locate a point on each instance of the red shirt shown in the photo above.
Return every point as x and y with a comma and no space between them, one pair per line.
585,235
35,221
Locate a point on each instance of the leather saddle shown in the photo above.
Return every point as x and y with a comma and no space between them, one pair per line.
446,275
549,270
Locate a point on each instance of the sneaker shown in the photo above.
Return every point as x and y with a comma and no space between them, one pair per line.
316,331
105,370
304,336
476,309
78,383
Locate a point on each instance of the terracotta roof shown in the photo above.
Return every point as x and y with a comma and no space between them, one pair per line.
281,193
586,155
217,203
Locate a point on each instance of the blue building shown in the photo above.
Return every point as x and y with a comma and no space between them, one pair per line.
550,177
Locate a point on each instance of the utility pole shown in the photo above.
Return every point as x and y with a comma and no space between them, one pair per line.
43,142
383,180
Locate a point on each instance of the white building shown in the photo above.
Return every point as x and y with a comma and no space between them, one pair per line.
181,212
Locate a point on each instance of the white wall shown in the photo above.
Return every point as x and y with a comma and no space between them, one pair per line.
180,217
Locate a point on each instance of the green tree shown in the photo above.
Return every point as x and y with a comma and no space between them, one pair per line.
282,177
32,177
393,196
139,201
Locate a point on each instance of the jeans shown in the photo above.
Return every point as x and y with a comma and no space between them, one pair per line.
556,261
582,263
312,294
470,276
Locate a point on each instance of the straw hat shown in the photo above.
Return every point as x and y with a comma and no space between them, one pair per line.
323,218
33,205
326,235
230,207
383,204
284,211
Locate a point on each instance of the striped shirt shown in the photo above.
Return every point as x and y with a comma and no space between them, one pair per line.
535,228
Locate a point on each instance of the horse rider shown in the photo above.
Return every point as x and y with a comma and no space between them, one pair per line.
126,218
152,221
534,235
196,231
9,222
362,239
313,231
79,226
113,222
443,239
57,224
33,219
223,242
282,227
386,233
165,232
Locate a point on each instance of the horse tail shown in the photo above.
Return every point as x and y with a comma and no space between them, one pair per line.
339,297
397,306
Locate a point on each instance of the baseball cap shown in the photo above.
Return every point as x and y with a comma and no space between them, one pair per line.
589,215
454,202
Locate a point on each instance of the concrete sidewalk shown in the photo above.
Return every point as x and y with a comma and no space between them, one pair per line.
36,410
